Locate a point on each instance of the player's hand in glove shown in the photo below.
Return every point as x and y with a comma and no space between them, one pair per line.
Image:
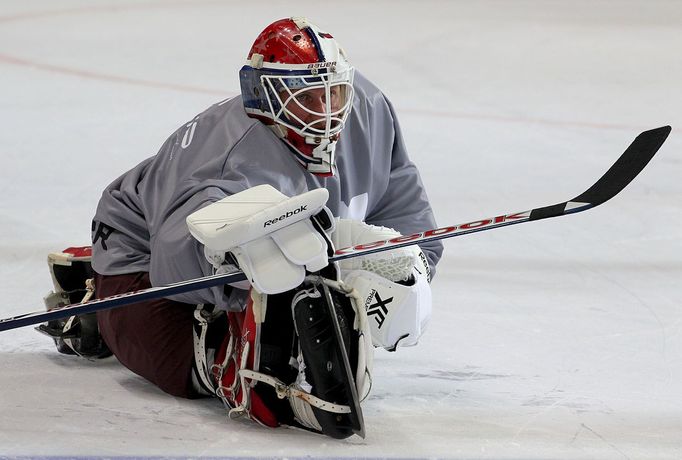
272,237
394,285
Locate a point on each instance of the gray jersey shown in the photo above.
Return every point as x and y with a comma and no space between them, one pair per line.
140,220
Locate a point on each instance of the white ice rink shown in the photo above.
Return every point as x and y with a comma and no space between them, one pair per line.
555,339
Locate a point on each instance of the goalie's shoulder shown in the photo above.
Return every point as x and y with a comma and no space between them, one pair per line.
224,121
365,88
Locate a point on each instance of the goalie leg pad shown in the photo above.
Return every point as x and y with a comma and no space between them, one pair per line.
324,324
301,358
240,351
72,276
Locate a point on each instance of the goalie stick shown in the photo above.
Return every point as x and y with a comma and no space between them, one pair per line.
621,173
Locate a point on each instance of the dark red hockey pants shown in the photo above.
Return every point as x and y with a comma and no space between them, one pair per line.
153,338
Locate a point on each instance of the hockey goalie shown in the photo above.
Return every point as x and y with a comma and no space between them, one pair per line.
309,159
300,352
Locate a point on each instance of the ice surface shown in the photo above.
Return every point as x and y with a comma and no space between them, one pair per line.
557,339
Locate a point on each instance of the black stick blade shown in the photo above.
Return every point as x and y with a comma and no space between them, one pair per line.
623,171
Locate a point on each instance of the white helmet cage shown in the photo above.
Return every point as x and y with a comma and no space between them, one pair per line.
313,102
324,100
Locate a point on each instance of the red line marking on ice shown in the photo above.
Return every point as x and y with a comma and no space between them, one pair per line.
12,60
101,8
19,61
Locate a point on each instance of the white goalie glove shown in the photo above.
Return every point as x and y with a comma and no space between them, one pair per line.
394,285
271,236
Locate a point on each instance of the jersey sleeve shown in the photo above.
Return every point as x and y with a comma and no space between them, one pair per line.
176,256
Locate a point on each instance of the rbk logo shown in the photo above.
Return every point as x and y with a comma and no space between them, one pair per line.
379,308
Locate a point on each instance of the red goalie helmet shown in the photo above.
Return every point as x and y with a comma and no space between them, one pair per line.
297,80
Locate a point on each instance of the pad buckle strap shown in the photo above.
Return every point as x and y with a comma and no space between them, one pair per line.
292,391
89,289
243,406
230,395
200,359
72,321
224,392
